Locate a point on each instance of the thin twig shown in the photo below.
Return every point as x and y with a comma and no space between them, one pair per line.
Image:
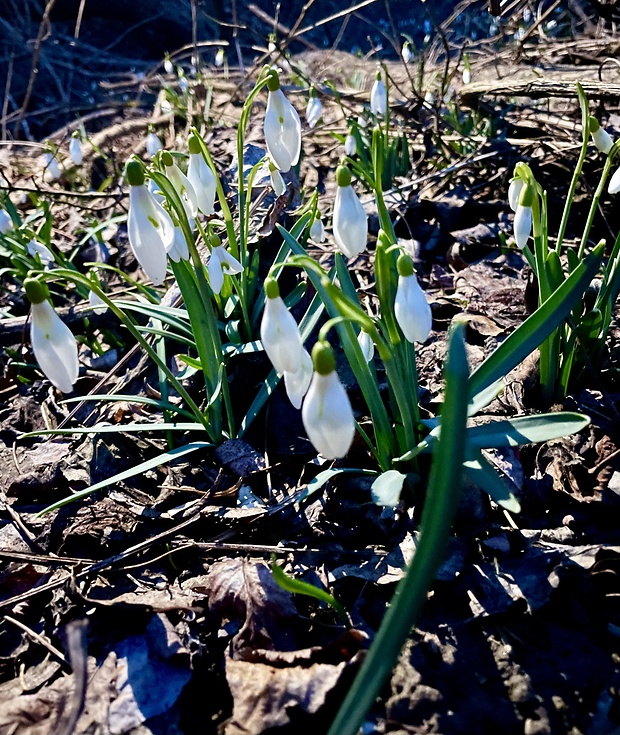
42,640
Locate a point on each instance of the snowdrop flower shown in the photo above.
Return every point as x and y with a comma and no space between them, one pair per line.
523,215
411,308
168,65
178,249
150,228
183,84
181,183
153,144
53,343
601,138
314,109
407,53
38,248
614,183
327,414
466,75
378,97
220,263
219,57
75,150
514,192
349,219
297,384
98,304
277,182
279,332
201,177
6,223
282,126
350,145
52,169
317,229
366,344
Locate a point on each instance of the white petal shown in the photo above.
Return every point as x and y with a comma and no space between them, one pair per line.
214,269
52,169
230,265
314,110
203,181
184,189
297,384
280,336
98,304
54,346
412,310
317,230
522,225
282,131
277,182
327,416
614,183
153,144
514,192
602,140
367,345
6,223
350,222
150,231
179,249
75,151
350,145
44,253
378,98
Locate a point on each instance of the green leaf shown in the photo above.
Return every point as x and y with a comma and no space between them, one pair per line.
165,458
299,587
482,473
132,428
536,328
525,430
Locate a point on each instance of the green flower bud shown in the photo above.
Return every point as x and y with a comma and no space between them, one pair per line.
343,176
166,158
323,358
214,241
134,173
36,290
594,125
194,144
273,80
528,192
272,290
404,265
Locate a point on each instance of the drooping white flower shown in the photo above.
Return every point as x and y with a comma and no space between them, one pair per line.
182,185
614,183
201,178
297,383
282,126
168,65
6,223
407,53
183,84
53,343
317,229
411,308
277,182
149,226
466,75
279,332
52,168
219,57
314,109
601,138
378,97
327,414
38,248
75,150
98,304
349,218
514,192
153,144
178,250
350,145
367,345
221,263
523,216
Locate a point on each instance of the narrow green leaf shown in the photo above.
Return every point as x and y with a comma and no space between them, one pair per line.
299,587
525,430
132,428
482,473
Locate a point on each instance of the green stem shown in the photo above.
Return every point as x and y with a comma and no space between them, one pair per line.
594,206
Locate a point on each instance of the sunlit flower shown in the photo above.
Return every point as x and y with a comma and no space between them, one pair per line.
38,248
601,138
327,414
350,145
279,332
219,57
411,308
182,185
378,97
282,126
514,192
317,229
183,84
168,65
178,249
149,226
153,144
221,263
314,109
201,178
466,75
349,218
614,183
297,383
277,182
407,53
75,150
53,343
6,223
52,168
367,345
523,216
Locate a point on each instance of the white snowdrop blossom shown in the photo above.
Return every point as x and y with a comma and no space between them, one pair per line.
466,75
168,65
514,192
6,223
350,145
523,216
149,226
52,168
614,183
327,414
153,144
178,250
367,345
201,178
279,332
282,127
75,150
317,229
98,304
53,343
156,191
411,308
378,97
219,57
183,84
277,182
314,109
38,248
182,184
407,53
221,263
349,218
297,383
601,138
